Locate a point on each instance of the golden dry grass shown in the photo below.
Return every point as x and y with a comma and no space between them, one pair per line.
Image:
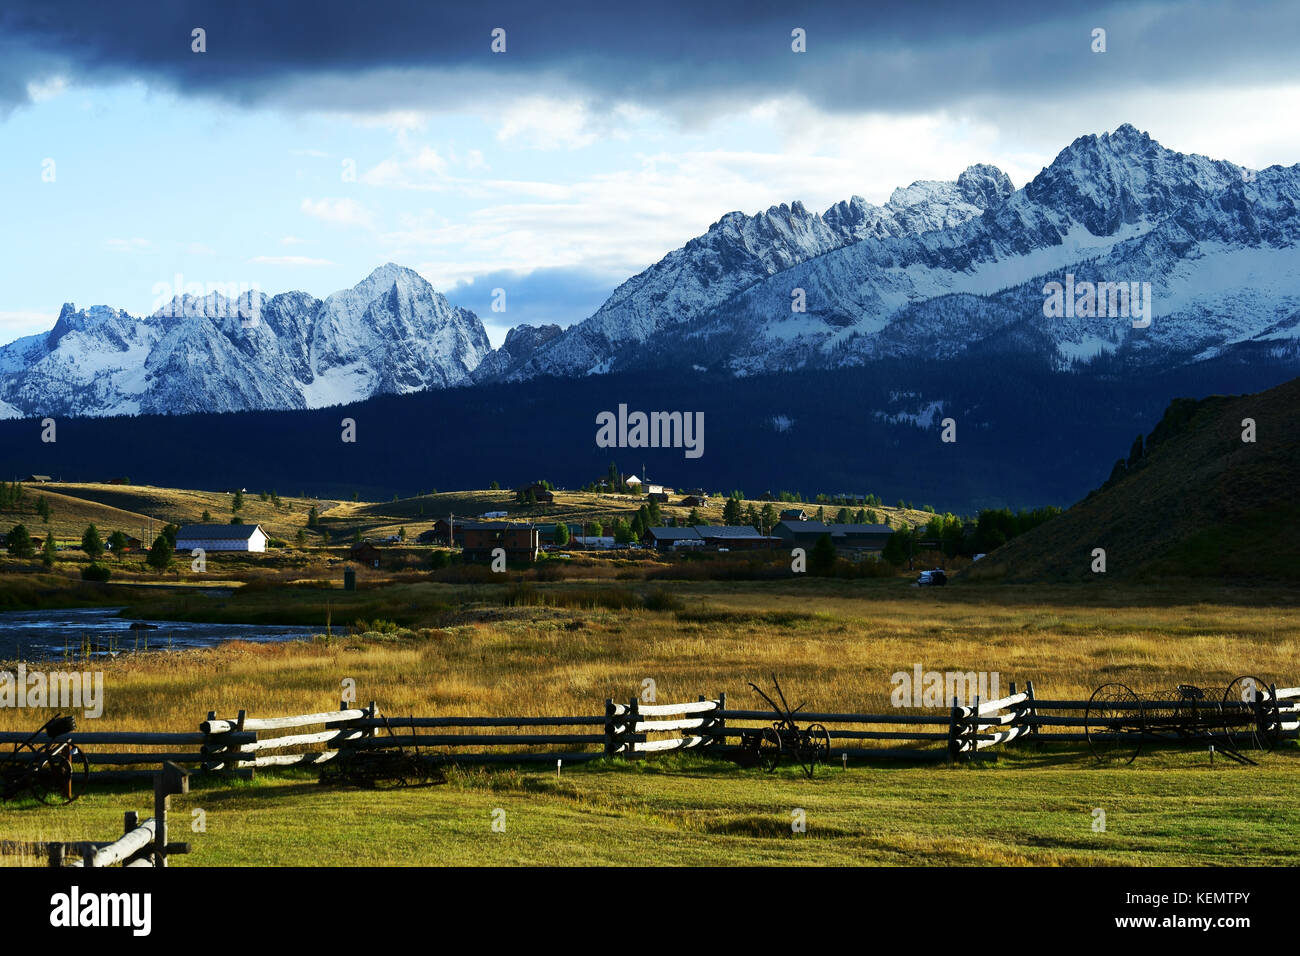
832,647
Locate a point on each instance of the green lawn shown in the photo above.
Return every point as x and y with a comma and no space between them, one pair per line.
1029,808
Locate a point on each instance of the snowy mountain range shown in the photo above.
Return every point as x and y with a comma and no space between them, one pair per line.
391,333
944,270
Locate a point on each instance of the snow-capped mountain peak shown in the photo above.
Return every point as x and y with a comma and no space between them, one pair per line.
390,333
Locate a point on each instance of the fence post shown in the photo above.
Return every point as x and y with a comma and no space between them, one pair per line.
720,724
633,715
1030,711
171,780
56,854
208,746
609,726
954,730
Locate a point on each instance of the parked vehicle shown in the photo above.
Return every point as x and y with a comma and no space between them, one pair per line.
932,578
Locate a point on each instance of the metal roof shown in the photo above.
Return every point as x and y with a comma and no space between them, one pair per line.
219,532
818,527
727,531
673,534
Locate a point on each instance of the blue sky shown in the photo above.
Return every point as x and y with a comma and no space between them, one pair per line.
583,154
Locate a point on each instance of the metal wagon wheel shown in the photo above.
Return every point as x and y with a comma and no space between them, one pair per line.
1256,724
1191,711
61,777
817,743
1114,725
770,749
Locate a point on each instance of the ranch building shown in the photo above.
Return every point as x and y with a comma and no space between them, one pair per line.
221,537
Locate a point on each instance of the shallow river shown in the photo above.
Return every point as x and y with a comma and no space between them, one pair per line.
37,635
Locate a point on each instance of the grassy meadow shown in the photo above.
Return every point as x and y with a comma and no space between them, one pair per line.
564,646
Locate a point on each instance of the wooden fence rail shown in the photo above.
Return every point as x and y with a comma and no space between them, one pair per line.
142,843
238,745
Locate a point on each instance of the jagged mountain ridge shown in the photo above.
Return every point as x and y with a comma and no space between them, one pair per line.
391,333
1216,244
737,252
951,270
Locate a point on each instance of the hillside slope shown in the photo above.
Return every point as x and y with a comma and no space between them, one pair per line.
1200,503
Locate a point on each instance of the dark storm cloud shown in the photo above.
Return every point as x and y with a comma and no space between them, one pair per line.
692,58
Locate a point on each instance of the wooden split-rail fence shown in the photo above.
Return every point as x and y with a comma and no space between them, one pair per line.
143,843
239,745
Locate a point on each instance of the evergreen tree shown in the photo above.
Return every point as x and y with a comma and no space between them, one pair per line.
91,543
43,508
897,547
822,559
237,505
117,543
843,517
207,516
313,518
561,534
47,551
732,513
169,532
695,518
20,542
160,554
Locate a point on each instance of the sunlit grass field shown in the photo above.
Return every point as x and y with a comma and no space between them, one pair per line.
834,644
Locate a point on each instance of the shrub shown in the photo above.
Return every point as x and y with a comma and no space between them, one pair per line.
96,572
657,599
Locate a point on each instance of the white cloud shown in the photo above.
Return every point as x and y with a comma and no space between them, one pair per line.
290,261
544,123
340,212
14,325
39,91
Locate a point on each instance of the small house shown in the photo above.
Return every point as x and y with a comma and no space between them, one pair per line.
539,492
365,553
793,514
695,501
38,479
480,538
